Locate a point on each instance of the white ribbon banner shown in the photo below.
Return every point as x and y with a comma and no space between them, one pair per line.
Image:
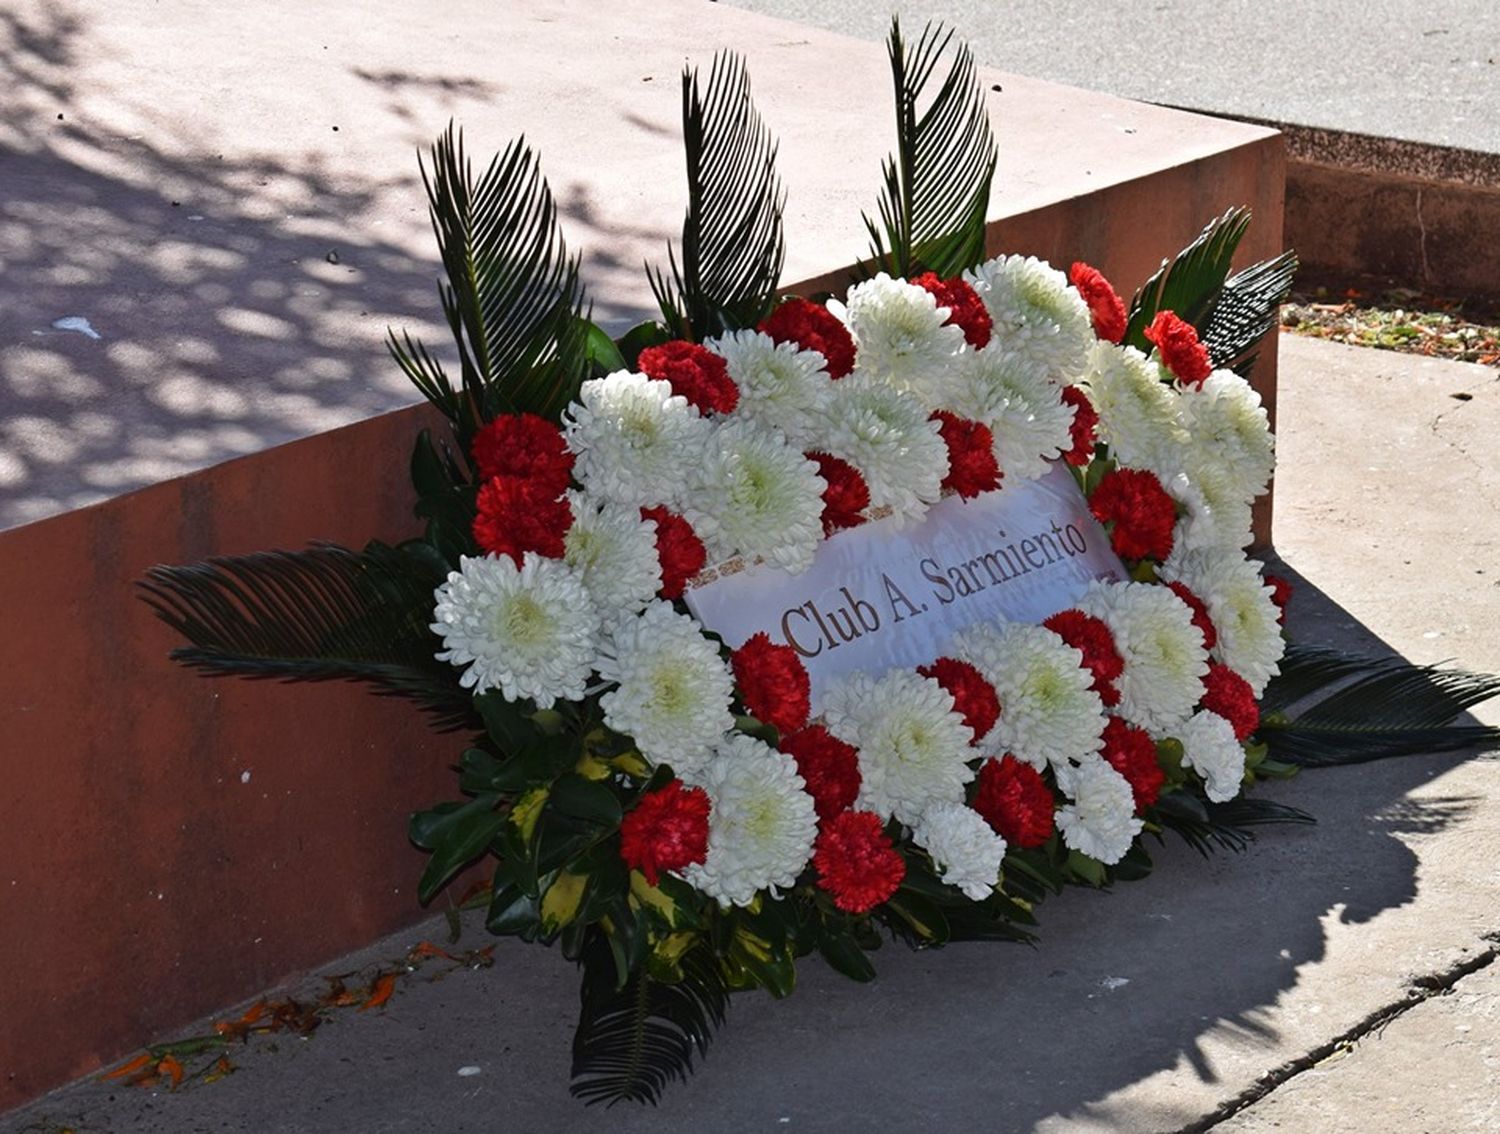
880,596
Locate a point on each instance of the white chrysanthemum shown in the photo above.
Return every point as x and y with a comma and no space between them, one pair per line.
1036,314
1227,423
1100,819
886,435
1048,711
1163,651
913,747
673,688
614,550
528,631
781,386
1210,749
966,850
901,335
1215,511
1239,605
762,824
635,440
1009,393
755,495
1138,413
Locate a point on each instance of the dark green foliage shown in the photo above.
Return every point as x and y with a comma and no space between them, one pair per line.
1246,309
633,1040
937,183
323,614
511,296
732,244
1370,708
1190,283
1206,826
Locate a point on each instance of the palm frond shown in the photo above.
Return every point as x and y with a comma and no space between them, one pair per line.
511,296
1246,309
632,1041
1370,709
1191,282
732,243
324,614
1207,826
937,183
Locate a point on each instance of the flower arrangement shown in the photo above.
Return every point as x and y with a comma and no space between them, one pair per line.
687,816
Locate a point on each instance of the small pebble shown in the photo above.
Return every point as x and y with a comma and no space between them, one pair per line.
468,1071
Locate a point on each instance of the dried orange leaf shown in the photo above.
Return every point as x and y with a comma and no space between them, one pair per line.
428,949
172,1068
135,1066
380,991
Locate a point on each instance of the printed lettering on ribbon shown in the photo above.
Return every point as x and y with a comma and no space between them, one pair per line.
881,596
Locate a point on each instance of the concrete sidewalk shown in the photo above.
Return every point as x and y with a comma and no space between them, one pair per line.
1146,1010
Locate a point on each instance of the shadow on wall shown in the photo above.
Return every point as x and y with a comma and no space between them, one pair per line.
164,307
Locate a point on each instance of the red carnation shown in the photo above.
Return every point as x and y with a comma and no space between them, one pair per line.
856,861
974,698
1200,613
966,310
1181,352
517,515
972,467
1142,513
1013,798
667,830
695,372
1281,594
812,327
847,495
828,766
681,552
1105,308
525,446
1131,752
772,682
1081,432
1092,638
1231,696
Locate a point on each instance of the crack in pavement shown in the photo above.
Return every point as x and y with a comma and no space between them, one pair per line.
1420,990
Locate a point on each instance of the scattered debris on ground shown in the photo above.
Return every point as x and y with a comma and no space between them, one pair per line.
1385,315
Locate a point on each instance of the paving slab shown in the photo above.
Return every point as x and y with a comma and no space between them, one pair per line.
1144,1010
1425,73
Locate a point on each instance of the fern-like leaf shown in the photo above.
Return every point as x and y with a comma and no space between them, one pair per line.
632,1041
1367,709
1208,827
1246,309
732,243
937,183
511,296
324,614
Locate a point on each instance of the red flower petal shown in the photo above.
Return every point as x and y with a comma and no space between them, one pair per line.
1181,352
1131,752
772,682
856,861
972,467
681,552
666,830
812,327
695,372
828,766
1142,513
1013,799
965,309
974,698
1105,307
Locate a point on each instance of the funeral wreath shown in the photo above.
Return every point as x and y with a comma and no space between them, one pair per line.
687,801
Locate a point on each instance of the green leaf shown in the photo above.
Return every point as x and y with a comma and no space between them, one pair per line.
638,338
481,771
632,1041
937,183
514,913
844,955
1363,709
1190,283
917,918
1246,309
732,243
511,296
324,614
589,800
603,356
456,839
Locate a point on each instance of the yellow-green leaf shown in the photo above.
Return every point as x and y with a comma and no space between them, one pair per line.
528,810
561,901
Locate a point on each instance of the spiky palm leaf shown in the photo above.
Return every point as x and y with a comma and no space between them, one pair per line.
1246,309
1368,709
632,1041
732,243
1207,826
1189,284
937,183
324,614
511,297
